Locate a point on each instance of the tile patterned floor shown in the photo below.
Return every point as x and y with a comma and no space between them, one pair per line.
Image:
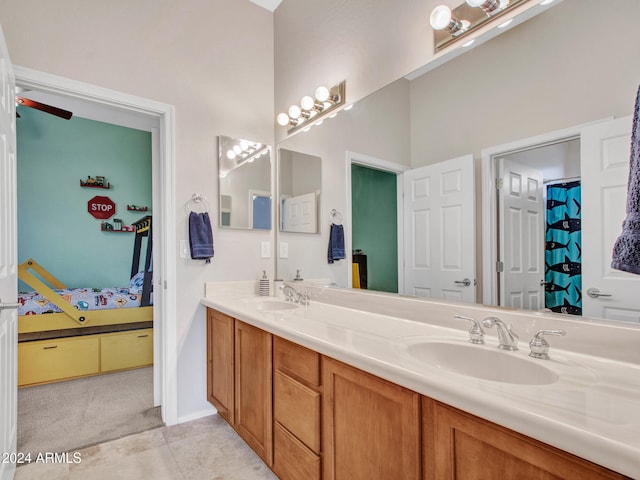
204,449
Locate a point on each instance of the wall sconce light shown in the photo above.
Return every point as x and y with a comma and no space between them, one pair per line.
450,25
312,110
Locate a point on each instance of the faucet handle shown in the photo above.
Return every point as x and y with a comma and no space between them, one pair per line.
476,334
539,346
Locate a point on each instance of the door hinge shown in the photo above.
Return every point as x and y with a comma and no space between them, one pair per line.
499,183
499,266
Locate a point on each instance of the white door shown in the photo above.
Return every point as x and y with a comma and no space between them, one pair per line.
439,222
8,279
521,228
299,214
605,171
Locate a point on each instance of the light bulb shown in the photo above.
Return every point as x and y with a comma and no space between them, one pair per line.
230,154
294,111
322,94
307,102
282,119
244,146
440,17
475,3
237,150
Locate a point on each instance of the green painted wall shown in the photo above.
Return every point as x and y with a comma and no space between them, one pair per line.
54,226
375,225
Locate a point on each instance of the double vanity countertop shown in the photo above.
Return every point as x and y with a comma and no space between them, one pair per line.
584,404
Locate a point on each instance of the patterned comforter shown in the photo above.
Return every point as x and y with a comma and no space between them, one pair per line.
32,303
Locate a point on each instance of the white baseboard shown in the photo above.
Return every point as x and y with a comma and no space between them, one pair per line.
196,415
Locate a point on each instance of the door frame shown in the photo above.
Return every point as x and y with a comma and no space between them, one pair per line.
163,180
489,211
386,166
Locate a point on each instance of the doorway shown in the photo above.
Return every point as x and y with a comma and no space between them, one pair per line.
539,236
375,222
156,118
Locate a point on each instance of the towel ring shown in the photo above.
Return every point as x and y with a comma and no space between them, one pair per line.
335,217
197,199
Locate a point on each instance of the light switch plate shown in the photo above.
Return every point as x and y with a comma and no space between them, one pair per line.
284,250
266,249
184,249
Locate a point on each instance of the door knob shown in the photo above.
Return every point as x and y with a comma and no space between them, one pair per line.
595,293
466,282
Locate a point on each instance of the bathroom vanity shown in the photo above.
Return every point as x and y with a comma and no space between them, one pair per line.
330,391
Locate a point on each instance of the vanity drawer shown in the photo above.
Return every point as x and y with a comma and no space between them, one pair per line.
49,360
297,408
292,460
297,361
126,350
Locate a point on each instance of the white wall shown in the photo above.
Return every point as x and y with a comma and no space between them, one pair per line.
214,62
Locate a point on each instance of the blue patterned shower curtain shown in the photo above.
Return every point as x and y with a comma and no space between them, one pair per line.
563,252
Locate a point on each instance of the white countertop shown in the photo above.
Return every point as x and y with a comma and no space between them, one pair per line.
592,411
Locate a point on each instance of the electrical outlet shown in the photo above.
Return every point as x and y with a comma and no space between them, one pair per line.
284,250
184,249
266,249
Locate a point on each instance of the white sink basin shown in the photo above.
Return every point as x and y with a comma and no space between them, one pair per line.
487,363
275,305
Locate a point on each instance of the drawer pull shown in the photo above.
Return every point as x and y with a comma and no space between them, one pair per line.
143,336
49,348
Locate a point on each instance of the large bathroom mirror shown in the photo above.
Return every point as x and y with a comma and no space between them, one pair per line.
553,74
244,176
299,188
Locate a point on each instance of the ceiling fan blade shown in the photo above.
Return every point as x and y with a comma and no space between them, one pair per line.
58,112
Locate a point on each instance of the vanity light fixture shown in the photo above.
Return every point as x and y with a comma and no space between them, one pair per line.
441,19
312,110
450,25
490,7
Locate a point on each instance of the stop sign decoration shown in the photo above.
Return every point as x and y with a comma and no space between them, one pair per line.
101,207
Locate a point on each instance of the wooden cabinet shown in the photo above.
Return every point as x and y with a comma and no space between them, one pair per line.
460,445
220,363
312,417
371,426
297,394
239,379
253,387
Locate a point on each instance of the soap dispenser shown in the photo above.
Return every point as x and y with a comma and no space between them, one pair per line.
264,285
298,277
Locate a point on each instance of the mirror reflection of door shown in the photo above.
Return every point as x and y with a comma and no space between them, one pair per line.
439,230
260,210
374,214
521,233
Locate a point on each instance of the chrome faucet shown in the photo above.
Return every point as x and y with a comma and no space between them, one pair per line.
293,296
539,346
289,292
476,334
507,338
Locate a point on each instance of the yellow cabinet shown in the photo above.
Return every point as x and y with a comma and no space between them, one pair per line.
123,350
49,360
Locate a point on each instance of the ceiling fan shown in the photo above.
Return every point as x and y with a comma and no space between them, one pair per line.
43,107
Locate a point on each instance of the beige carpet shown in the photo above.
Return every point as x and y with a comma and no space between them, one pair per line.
66,416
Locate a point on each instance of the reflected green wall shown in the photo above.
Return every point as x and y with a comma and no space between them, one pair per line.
375,225
54,226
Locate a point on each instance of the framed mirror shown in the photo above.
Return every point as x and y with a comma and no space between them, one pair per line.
244,181
299,189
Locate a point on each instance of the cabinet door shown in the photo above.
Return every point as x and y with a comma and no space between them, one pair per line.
371,427
472,448
253,377
220,358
